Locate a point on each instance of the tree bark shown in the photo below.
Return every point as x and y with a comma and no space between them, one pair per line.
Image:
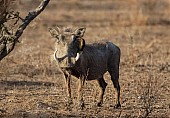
6,48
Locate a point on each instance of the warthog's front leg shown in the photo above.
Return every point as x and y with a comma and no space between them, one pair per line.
68,80
68,87
80,93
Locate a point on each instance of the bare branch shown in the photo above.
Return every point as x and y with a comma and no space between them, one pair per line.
7,48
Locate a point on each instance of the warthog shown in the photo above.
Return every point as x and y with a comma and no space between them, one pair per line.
86,61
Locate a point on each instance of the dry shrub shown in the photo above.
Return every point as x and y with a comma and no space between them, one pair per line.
148,95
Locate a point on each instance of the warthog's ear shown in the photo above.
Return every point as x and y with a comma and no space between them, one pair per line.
81,44
80,31
54,32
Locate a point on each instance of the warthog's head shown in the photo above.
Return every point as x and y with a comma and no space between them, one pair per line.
69,45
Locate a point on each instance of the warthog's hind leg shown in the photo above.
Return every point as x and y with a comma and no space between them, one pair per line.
102,85
115,79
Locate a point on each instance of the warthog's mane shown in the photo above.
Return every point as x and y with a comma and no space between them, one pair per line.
67,30
97,44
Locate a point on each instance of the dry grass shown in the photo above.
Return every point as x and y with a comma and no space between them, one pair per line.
32,86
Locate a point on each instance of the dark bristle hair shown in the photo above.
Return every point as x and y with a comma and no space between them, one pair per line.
67,29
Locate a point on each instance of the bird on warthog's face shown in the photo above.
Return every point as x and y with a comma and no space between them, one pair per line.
68,46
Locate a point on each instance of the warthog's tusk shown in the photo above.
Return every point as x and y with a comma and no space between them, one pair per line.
59,59
55,55
78,55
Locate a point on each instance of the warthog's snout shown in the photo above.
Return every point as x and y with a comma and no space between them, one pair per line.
67,61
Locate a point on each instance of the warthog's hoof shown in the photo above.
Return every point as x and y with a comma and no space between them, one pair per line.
69,103
117,106
81,105
99,104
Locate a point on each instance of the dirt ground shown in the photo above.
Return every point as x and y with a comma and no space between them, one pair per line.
33,87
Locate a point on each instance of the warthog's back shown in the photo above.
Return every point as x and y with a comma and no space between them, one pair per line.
95,59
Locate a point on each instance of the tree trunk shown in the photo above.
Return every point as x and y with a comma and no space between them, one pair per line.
6,48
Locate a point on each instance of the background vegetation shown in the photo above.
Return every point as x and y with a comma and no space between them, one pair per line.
32,86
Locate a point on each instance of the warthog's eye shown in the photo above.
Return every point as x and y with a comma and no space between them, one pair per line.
75,37
61,39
